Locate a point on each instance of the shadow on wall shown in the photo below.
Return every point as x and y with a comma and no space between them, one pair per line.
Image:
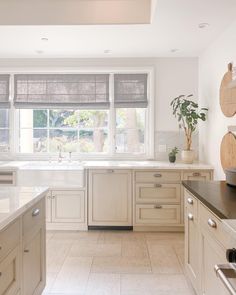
170,139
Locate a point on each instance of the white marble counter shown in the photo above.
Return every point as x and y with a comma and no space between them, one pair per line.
80,165
14,201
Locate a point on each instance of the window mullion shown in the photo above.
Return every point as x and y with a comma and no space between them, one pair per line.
112,117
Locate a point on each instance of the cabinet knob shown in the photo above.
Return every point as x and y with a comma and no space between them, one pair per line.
35,212
157,206
157,175
212,223
26,251
190,216
190,201
53,197
0,274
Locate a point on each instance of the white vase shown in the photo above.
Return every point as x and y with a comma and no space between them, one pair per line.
188,156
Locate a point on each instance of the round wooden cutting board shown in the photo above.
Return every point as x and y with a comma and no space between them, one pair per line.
228,151
228,94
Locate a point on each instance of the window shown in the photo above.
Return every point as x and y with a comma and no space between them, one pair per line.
87,114
47,131
4,130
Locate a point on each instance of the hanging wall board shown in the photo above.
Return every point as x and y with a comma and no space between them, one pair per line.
228,151
228,93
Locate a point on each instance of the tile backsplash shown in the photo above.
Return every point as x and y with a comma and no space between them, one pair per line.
165,141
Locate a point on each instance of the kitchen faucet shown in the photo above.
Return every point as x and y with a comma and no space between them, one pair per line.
60,157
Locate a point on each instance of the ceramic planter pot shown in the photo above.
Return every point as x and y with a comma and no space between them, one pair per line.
172,158
187,156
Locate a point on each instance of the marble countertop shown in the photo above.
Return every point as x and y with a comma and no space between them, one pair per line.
14,201
80,165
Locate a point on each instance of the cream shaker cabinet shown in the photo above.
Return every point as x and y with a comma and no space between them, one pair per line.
66,209
204,247
110,197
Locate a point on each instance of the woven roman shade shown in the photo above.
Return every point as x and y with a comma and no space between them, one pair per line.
130,90
75,91
4,91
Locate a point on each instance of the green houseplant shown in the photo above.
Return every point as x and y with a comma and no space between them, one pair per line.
172,154
188,115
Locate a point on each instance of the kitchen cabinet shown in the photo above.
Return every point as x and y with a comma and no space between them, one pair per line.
205,246
7,178
66,209
110,197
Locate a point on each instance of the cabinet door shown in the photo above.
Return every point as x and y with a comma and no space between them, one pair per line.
197,175
192,242
212,253
110,198
10,273
68,206
34,263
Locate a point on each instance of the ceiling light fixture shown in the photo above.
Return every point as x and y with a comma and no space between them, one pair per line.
44,39
173,50
107,51
203,25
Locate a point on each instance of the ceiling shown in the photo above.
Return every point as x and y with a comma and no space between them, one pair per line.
174,26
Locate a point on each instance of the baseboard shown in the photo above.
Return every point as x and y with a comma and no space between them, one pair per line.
99,227
159,228
66,226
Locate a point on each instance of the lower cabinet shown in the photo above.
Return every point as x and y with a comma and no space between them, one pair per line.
10,273
205,240
66,209
110,197
34,263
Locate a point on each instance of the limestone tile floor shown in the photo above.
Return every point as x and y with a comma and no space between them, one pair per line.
115,263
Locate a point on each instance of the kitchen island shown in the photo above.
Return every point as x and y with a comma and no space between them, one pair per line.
22,240
210,223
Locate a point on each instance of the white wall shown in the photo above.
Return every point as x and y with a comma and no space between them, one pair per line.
173,76
212,66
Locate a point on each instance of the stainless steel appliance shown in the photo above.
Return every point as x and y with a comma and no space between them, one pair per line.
227,272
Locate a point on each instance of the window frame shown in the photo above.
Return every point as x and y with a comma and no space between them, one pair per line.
112,154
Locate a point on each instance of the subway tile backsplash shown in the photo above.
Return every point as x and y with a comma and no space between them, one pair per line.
165,141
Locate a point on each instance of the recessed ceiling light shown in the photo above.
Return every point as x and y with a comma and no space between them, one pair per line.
44,39
107,51
173,50
39,51
203,25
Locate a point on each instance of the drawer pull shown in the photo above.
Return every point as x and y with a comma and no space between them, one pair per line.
0,274
110,171
35,212
157,175
53,197
190,201
26,250
196,174
157,185
157,206
212,223
190,216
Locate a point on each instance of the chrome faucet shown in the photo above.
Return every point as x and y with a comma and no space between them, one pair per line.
60,157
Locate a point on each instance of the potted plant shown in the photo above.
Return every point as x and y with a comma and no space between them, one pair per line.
188,115
172,154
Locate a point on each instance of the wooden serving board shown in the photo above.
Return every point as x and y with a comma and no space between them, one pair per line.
228,151
228,93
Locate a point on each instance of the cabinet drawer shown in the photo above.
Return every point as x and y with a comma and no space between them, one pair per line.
157,176
34,217
157,214
10,273
213,225
161,193
197,175
9,238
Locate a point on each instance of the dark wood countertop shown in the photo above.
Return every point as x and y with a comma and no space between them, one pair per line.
218,196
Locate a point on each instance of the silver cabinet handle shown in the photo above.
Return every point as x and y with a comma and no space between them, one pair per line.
196,174
190,216
157,206
26,250
157,185
221,272
212,223
190,201
157,175
35,212
110,171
